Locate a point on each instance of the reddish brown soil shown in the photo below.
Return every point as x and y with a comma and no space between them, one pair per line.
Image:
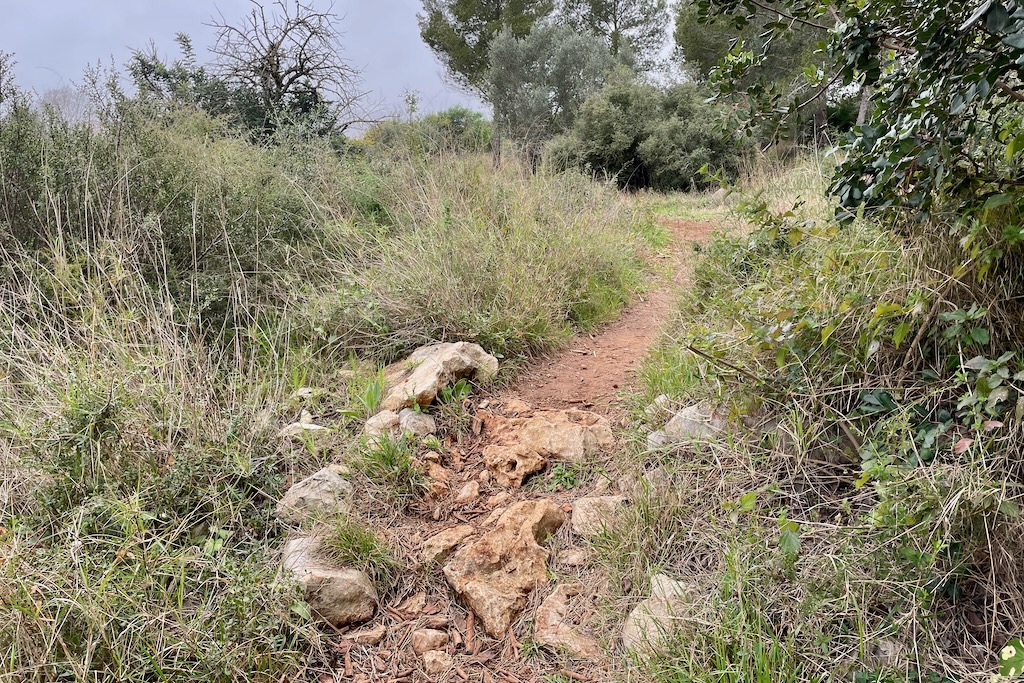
593,368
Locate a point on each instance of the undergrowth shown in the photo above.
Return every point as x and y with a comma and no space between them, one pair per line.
171,296
860,517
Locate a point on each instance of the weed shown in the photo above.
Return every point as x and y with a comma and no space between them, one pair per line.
566,476
352,544
389,463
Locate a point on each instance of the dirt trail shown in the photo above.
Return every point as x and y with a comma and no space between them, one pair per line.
589,375
593,369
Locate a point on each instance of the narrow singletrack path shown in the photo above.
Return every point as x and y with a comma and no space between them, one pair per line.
593,368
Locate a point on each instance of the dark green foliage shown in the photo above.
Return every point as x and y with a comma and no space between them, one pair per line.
628,27
460,32
538,83
648,137
945,119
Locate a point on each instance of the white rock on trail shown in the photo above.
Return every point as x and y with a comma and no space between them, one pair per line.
384,423
495,574
324,493
651,621
338,596
416,423
691,423
420,377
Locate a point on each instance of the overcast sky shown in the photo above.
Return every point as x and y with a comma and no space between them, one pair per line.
53,41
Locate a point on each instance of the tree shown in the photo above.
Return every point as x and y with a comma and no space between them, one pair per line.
290,58
633,26
702,45
945,127
644,136
460,32
538,83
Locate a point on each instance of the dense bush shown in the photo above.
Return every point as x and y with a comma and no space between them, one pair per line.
456,130
644,136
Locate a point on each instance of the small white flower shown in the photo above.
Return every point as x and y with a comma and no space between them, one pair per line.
1008,652
1012,673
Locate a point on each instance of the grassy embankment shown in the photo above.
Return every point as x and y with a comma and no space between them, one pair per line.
860,520
165,288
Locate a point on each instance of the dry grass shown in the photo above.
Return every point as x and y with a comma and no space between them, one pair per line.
847,424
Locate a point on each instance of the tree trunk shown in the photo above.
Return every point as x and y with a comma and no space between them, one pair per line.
496,147
865,105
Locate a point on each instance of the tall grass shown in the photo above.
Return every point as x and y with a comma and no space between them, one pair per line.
165,286
861,518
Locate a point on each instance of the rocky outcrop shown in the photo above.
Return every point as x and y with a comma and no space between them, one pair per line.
651,621
591,516
521,446
324,493
553,628
689,424
338,596
495,574
510,465
419,378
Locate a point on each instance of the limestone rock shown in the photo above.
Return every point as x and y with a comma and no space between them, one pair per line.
303,427
338,596
426,639
440,546
568,435
438,472
384,423
520,446
510,465
324,492
514,406
661,405
436,662
552,628
697,421
418,378
468,493
590,516
417,424
495,574
369,636
651,620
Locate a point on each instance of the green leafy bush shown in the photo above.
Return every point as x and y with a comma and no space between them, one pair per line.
644,136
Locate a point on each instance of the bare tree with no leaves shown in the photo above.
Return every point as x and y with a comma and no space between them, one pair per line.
289,55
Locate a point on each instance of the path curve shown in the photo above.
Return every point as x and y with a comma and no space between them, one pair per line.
593,369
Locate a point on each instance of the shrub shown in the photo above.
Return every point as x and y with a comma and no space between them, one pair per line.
648,137
875,495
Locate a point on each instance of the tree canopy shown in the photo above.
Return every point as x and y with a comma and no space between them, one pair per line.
946,131
460,32
538,83
634,26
